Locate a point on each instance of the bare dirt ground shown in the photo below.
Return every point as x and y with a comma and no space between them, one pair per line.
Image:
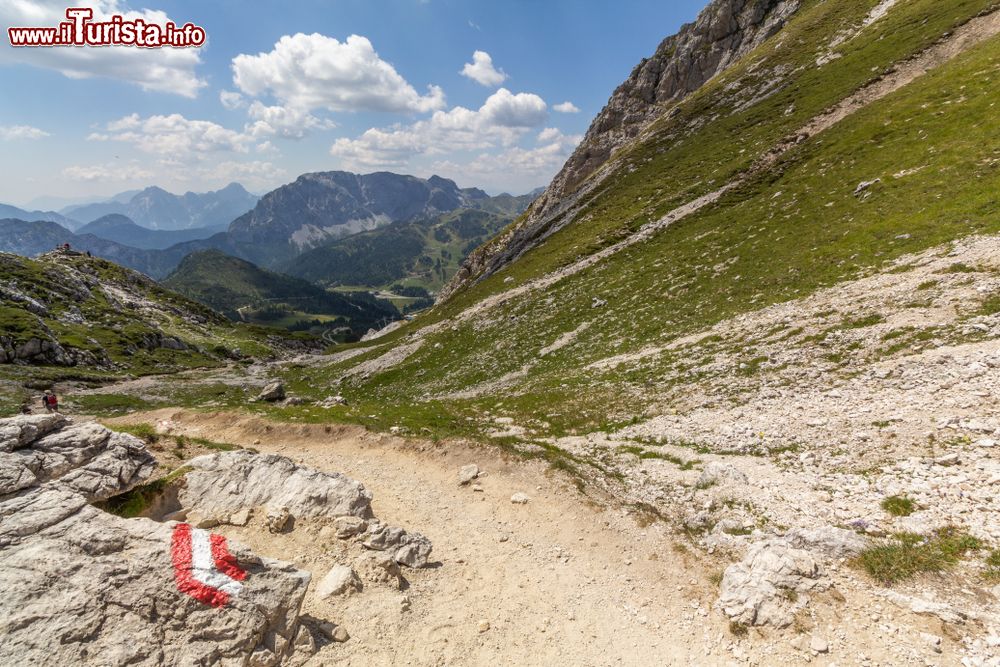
563,579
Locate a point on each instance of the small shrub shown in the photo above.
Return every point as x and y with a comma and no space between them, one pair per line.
738,629
899,505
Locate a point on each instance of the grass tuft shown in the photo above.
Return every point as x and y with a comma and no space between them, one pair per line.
899,505
905,555
993,565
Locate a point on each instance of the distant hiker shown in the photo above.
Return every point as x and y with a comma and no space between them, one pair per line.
88,254
50,402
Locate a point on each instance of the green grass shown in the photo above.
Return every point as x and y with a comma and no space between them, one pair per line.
863,322
990,305
146,432
905,555
645,454
959,267
899,505
993,566
109,405
135,502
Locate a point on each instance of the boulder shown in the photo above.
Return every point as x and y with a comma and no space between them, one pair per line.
81,586
763,588
278,520
224,482
467,473
349,526
829,541
377,567
86,458
720,473
410,549
272,392
340,580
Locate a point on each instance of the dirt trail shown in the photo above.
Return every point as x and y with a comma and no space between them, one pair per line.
560,580
569,582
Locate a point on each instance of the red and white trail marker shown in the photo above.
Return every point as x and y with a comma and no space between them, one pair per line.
203,566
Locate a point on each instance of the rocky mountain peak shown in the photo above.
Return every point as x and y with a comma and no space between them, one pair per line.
725,31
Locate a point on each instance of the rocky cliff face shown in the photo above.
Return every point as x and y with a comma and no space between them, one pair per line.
724,32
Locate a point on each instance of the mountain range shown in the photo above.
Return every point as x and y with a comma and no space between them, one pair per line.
13,212
321,207
121,229
155,208
309,214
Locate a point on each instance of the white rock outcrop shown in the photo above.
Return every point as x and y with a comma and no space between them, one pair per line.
764,588
222,483
81,586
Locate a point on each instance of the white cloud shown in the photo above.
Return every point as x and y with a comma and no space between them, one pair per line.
173,135
231,99
12,132
481,70
315,71
109,172
502,120
253,174
165,70
515,169
509,110
566,107
287,122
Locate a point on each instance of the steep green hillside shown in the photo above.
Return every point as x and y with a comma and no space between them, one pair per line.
244,291
424,253
70,310
786,227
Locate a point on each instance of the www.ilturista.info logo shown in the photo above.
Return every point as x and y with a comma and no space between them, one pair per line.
82,30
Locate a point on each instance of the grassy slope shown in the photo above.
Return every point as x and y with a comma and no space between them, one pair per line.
227,284
117,330
780,236
423,253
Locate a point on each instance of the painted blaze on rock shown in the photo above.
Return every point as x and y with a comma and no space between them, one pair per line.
203,566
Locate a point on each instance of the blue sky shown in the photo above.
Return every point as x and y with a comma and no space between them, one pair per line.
473,91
